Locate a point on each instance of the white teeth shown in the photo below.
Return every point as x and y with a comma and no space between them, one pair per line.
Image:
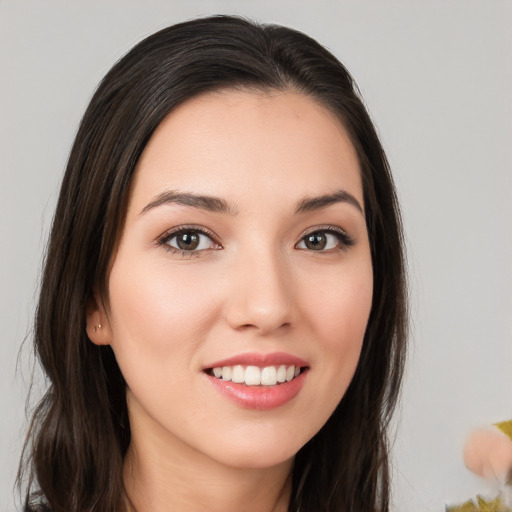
238,374
269,376
255,376
281,373
252,376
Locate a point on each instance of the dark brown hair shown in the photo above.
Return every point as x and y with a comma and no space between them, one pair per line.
80,432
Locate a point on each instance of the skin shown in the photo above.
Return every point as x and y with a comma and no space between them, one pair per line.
255,288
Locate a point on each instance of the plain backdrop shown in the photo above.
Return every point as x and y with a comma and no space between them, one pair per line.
437,78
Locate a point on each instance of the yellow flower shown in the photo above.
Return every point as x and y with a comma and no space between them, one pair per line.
468,506
482,505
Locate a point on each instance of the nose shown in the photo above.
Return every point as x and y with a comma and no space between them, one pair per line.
262,295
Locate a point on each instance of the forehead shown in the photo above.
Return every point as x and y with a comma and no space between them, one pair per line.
280,144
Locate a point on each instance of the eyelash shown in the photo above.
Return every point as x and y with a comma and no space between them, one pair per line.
164,240
344,240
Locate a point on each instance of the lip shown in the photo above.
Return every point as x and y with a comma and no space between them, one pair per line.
260,360
259,397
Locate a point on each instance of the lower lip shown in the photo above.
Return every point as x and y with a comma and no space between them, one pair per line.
259,397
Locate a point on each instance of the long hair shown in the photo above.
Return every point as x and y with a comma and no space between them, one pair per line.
80,431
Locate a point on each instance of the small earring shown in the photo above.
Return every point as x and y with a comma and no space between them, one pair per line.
96,327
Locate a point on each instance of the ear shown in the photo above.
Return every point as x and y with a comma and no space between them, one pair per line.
98,326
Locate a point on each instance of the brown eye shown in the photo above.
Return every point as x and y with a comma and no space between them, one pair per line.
324,240
315,241
189,240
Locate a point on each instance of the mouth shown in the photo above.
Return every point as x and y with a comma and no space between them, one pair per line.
250,375
258,381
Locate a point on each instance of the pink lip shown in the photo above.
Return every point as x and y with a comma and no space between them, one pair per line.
259,397
260,360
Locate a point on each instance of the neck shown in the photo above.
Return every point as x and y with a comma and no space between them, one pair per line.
227,492
163,474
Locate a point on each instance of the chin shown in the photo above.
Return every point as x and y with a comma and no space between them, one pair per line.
258,453
259,459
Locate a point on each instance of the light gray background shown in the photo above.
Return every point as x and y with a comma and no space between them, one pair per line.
437,77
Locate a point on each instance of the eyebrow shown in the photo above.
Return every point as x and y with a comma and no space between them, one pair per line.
309,204
208,203
217,205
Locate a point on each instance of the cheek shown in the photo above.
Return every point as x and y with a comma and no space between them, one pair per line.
340,316
157,317
337,313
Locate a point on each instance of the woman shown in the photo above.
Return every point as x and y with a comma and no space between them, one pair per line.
222,312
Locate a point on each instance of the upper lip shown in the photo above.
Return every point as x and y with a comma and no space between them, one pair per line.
261,360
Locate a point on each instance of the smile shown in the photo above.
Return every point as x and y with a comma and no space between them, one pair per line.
258,381
256,376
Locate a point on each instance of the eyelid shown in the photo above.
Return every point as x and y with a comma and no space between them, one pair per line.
176,230
345,239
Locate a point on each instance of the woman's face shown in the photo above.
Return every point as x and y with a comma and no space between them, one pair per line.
242,285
